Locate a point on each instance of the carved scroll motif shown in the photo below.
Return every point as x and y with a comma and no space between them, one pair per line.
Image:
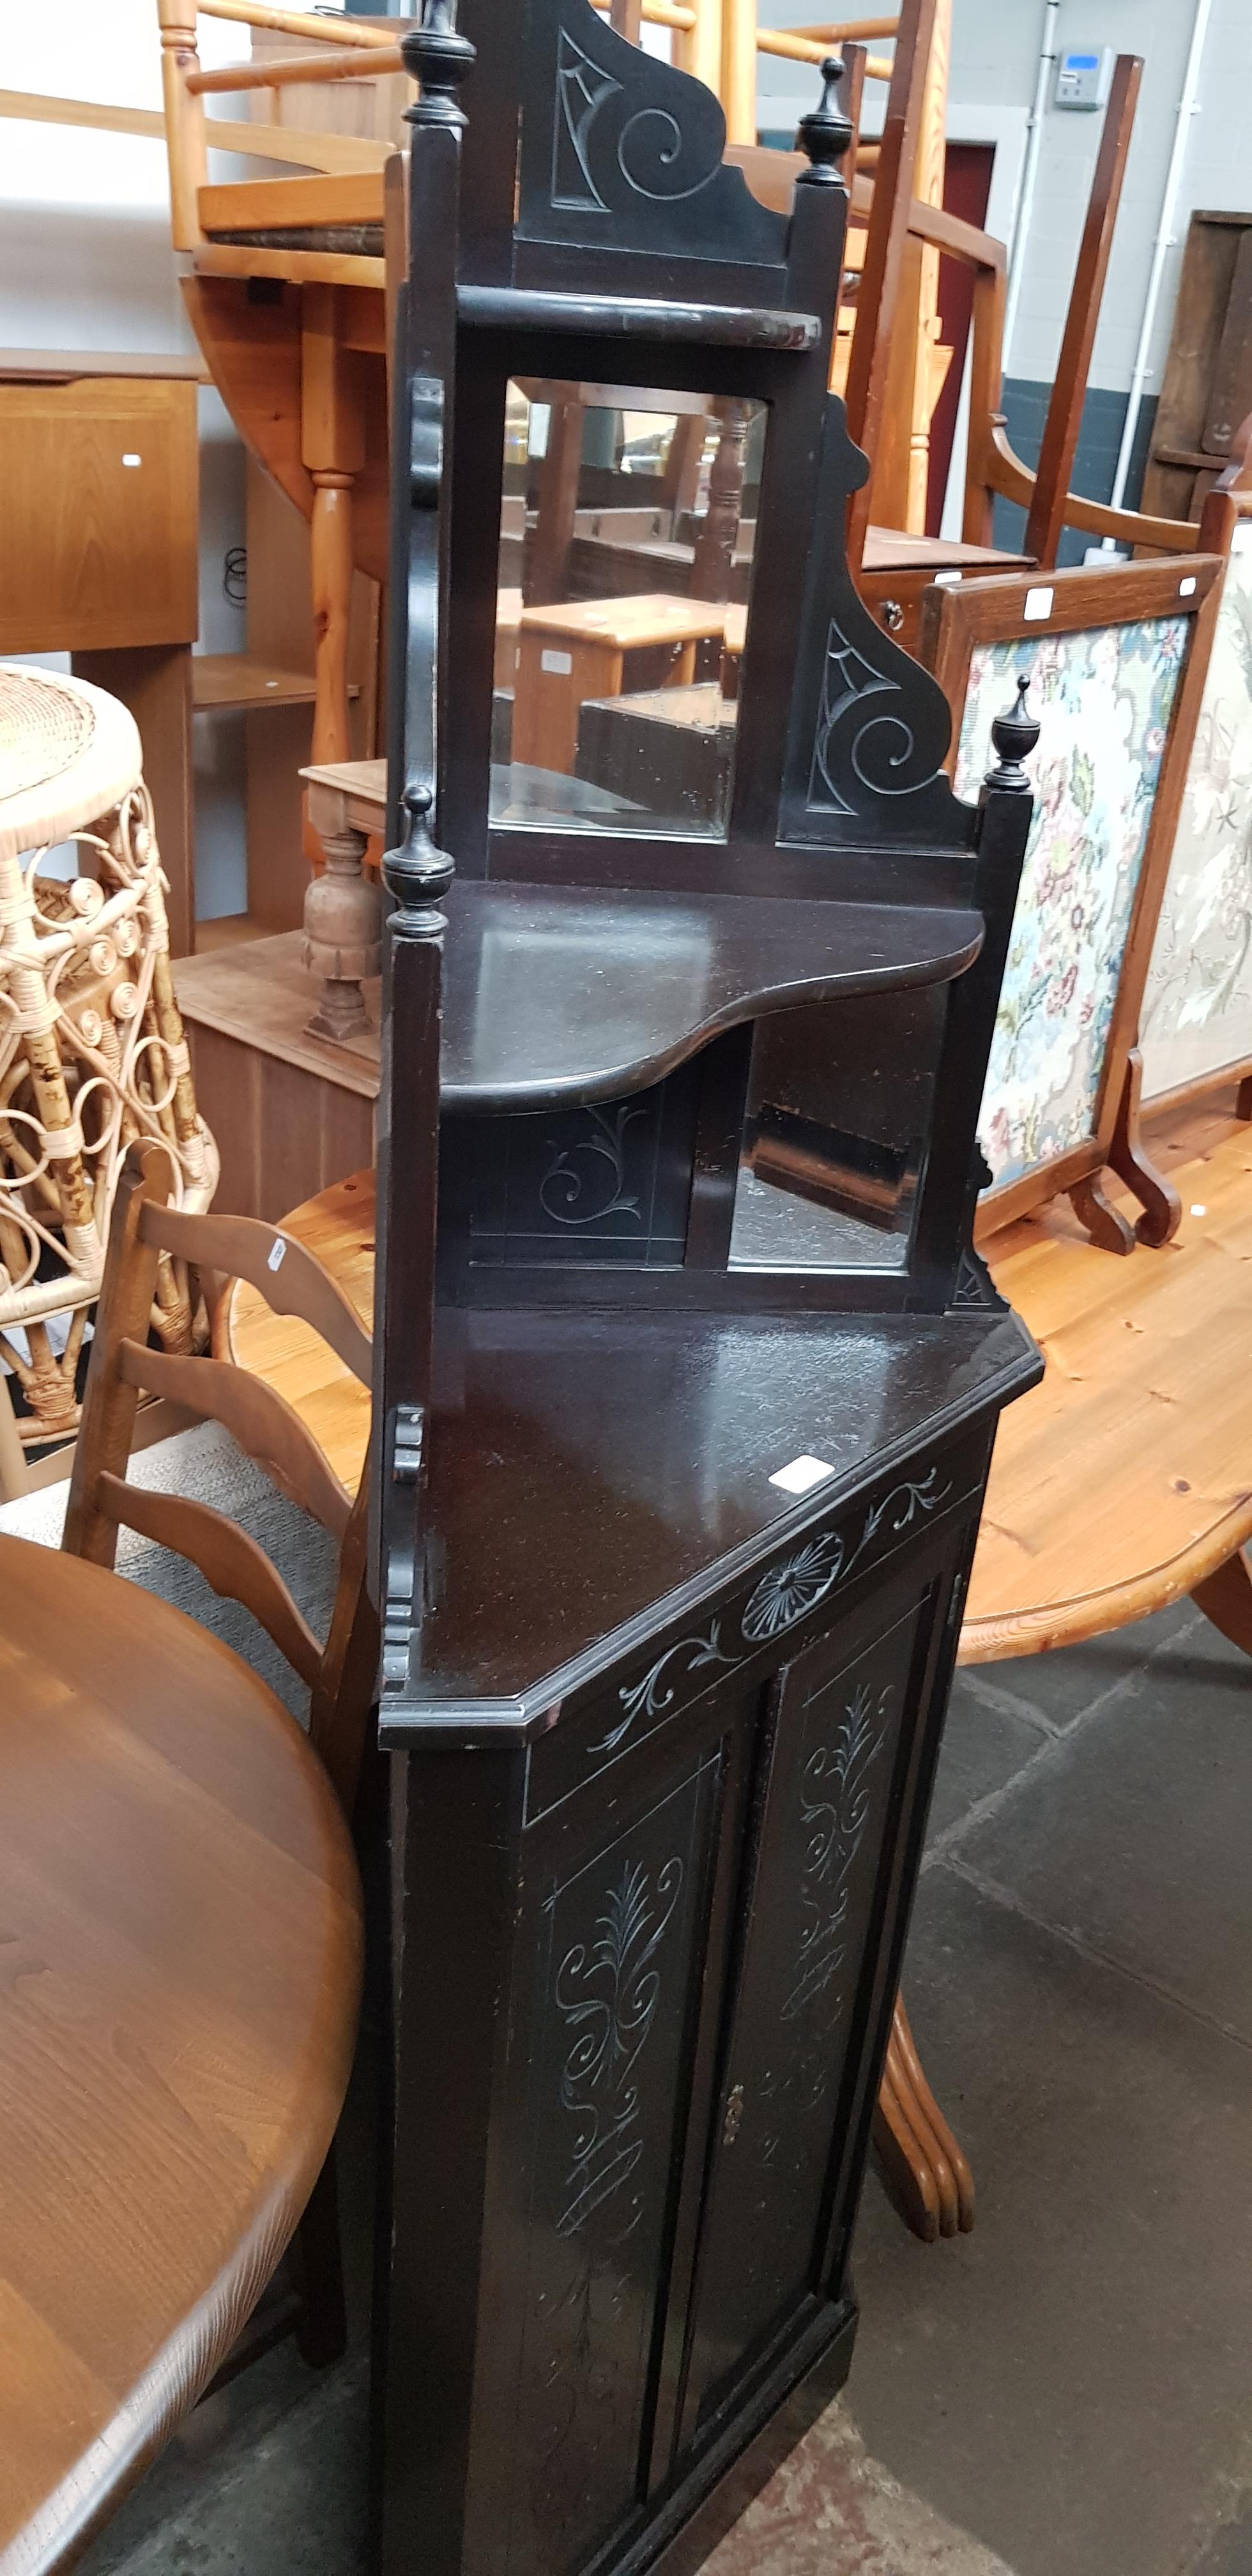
620,149
871,727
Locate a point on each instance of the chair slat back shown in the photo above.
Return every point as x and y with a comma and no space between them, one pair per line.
258,1417
340,1675
228,1558
287,1276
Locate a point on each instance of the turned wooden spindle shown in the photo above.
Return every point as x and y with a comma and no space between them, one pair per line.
332,446
718,530
342,935
184,121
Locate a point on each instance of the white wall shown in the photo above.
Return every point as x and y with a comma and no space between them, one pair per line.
995,51
995,48
86,263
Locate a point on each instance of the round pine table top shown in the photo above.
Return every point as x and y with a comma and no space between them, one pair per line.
1121,1482
180,1953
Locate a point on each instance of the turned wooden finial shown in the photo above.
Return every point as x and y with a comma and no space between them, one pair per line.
416,873
437,58
1014,734
825,132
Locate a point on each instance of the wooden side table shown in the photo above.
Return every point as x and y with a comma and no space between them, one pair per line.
587,649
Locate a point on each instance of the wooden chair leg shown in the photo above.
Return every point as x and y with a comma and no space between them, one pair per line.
1226,1599
1129,1158
1107,1227
927,2176
322,2326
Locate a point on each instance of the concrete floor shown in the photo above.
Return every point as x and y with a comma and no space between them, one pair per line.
1067,2391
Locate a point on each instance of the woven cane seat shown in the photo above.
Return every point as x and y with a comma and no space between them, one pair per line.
68,754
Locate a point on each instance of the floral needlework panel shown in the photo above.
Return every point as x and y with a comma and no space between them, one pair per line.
1103,701
1197,1008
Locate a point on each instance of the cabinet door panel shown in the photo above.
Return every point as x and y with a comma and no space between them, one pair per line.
606,2049
808,1913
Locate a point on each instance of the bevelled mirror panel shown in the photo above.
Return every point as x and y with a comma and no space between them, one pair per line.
625,570
839,1106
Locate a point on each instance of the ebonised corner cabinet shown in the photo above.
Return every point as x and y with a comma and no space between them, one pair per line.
688,1379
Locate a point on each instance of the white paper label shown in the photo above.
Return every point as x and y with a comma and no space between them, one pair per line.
799,1473
1037,603
1185,588
278,1254
132,460
946,580
562,663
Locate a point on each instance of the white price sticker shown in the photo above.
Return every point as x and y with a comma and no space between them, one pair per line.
799,1473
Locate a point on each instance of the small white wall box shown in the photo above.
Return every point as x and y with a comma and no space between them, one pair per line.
1083,78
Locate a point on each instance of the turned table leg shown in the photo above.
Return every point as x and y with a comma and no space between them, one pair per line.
926,2173
1226,1599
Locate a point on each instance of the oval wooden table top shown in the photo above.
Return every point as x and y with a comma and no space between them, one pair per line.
180,1947
1119,1483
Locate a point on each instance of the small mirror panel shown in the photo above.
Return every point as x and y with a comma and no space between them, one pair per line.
839,1105
625,567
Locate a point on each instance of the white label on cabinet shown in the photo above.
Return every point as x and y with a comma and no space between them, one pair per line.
1185,588
1037,603
560,662
132,460
799,1473
278,1254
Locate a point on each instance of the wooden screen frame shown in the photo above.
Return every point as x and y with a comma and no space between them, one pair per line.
955,620
1227,508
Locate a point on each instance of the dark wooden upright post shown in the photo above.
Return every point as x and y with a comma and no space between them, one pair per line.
1005,807
416,873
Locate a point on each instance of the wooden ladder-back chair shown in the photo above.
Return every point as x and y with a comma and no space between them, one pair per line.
887,361
339,1675
993,470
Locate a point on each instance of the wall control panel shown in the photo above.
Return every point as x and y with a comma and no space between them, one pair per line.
1083,78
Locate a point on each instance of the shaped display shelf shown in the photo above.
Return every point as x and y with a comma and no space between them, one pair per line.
568,995
602,1483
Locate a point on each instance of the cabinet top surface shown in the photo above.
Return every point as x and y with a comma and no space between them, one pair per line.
594,1477
570,994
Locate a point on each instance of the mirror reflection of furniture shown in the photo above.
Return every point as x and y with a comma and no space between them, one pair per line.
594,649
